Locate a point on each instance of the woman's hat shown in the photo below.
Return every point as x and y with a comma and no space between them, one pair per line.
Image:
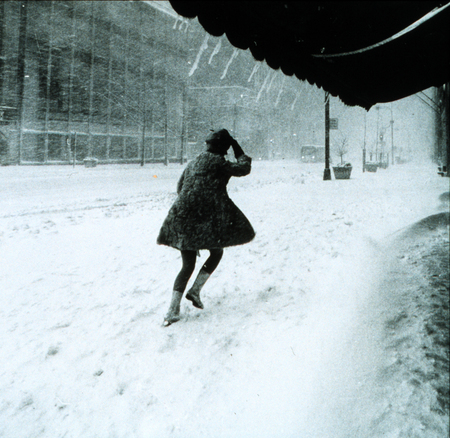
219,137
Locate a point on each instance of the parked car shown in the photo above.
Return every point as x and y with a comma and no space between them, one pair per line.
313,154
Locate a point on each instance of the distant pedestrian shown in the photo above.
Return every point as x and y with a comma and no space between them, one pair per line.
204,217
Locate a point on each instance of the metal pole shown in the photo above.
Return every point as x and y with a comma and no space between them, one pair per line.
142,96
71,69
153,100
327,171
392,137
378,122
110,73
125,95
91,83
48,85
364,147
21,71
166,117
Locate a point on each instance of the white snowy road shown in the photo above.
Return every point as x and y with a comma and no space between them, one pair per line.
292,339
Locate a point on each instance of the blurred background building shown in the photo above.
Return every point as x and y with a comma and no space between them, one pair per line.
132,81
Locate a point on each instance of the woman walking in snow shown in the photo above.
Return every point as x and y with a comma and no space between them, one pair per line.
204,217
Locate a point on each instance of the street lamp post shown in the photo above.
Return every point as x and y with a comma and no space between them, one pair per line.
378,124
364,146
327,171
392,137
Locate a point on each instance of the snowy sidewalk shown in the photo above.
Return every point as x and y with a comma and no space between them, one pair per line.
85,289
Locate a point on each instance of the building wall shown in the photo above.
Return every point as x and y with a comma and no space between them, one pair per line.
105,71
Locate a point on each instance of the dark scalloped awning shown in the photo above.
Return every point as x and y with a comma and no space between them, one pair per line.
301,37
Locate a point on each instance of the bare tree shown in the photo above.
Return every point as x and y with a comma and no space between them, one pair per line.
342,148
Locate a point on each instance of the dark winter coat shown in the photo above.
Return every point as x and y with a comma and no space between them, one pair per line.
203,216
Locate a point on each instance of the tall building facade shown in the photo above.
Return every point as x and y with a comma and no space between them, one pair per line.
130,81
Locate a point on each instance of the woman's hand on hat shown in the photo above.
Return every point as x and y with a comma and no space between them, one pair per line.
236,148
233,141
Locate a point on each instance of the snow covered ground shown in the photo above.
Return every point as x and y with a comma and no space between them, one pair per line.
315,329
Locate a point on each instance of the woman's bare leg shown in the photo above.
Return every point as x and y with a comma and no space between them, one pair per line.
205,272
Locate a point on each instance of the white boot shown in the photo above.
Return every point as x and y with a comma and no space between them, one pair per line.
194,292
173,314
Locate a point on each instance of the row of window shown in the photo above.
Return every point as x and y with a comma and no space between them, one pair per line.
61,147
